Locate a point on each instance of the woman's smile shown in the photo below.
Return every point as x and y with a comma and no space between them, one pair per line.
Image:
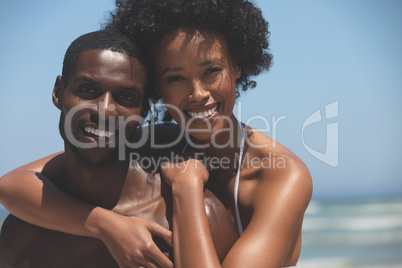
203,114
199,89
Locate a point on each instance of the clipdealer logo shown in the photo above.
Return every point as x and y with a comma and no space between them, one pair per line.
331,154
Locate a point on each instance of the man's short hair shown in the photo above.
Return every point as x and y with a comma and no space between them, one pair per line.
104,40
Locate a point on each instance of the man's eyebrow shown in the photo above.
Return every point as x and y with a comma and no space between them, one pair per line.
135,90
131,88
87,79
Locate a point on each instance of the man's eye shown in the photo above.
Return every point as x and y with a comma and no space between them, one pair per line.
175,78
88,92
127,97
213,70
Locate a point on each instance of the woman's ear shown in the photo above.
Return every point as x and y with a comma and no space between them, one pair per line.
57,95
237,71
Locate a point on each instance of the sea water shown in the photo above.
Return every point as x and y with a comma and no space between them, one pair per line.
342,234
3,214
364,233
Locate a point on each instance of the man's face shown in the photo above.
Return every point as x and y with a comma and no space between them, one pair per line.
104,89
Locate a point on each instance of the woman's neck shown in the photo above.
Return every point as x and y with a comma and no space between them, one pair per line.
223,147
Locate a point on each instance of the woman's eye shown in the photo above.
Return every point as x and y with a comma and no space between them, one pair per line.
175,78
213,70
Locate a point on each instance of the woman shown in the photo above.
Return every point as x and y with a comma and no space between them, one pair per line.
201,51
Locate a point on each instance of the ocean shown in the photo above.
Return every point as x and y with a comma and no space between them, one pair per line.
343,234
348,234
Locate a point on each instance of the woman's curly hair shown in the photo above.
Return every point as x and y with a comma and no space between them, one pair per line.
239,21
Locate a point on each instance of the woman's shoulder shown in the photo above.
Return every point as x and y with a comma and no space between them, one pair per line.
275,162
261,145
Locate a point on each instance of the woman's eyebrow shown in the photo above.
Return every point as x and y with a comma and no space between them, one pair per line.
205,63
172,69
210,61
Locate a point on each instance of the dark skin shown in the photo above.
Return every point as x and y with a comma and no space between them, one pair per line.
32,246
95,175
197,74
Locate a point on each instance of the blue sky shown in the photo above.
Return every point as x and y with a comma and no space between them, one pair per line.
341,51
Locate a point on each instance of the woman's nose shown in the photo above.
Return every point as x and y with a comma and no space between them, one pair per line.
199,92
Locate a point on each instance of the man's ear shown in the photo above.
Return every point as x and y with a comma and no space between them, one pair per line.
57,95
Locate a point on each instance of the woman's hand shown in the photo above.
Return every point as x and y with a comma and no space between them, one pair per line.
191,170
129,240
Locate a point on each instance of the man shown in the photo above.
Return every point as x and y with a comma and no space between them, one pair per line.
100,95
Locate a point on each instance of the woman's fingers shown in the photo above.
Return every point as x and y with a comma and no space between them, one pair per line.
156,254
158,259
160,231
130,242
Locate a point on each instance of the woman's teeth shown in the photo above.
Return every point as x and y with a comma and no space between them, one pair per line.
99,133
202,115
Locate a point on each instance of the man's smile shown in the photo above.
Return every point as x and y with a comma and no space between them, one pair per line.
98,133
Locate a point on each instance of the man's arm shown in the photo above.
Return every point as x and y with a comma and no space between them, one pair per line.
32,197
28,194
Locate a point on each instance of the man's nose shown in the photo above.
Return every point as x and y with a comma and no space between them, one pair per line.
105,107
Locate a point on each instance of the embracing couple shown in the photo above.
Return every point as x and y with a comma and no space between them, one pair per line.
109,200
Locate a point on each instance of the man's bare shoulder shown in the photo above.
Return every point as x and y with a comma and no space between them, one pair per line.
223,230
15,238
26,245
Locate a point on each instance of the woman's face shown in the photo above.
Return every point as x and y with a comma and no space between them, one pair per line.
197,80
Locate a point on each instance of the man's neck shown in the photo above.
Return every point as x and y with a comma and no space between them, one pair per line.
109,185
99,185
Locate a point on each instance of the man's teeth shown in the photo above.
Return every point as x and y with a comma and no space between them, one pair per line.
99,133
202,115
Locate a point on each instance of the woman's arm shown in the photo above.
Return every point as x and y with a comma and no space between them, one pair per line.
278,201
28,194
192,242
